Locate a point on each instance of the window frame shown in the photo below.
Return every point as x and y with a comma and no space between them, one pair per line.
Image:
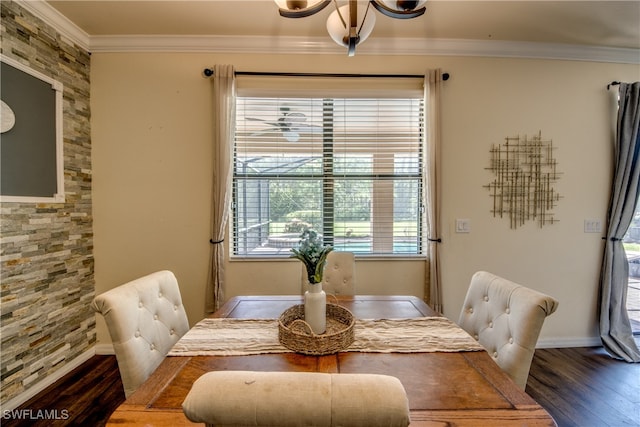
328,179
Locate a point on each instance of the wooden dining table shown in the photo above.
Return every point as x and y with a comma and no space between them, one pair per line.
465,388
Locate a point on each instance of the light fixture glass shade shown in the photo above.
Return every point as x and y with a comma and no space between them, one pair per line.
400,9
404,5
300,8
295,4
340,33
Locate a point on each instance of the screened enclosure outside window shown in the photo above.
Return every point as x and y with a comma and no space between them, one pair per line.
349,168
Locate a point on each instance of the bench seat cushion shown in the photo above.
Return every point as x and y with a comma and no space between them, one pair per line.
248,398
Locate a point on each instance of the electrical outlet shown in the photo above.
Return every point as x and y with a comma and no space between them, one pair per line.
592,226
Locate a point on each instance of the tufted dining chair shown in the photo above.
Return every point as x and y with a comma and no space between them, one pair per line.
339,276
506,318
145,318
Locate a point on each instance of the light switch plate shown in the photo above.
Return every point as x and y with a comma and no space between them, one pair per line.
463,225
592,226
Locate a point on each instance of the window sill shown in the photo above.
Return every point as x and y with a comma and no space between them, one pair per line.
359,257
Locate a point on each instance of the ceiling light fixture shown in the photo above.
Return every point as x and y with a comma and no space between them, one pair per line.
343,24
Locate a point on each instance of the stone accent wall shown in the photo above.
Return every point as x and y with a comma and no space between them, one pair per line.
46,253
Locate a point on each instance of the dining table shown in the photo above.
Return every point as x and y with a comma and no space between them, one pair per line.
444,388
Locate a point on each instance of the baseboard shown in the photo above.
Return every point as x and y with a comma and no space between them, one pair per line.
105,349
569,342
15,402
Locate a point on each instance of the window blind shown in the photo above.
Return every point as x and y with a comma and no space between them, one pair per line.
348,167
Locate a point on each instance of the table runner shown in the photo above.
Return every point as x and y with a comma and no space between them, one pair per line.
239,337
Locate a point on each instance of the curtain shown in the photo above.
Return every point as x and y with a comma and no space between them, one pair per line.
615,329
432,86
224,93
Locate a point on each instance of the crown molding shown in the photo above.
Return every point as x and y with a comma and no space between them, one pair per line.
67,29
373,46
324,45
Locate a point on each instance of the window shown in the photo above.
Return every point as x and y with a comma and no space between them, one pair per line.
351,168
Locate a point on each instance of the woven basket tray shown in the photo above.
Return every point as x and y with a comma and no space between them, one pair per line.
296,334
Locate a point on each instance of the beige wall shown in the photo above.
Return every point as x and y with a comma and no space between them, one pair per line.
151,132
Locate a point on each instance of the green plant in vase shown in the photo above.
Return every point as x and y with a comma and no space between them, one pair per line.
313,253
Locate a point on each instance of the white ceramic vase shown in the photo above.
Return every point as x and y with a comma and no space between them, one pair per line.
315,308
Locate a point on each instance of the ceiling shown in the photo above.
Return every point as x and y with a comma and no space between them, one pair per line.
609,24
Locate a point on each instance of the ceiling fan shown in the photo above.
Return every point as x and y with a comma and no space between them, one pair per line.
290,124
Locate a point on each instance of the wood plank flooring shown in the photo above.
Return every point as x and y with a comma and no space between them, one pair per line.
85,397
584,387
580,387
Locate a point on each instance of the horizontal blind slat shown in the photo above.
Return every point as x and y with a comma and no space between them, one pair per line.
302,161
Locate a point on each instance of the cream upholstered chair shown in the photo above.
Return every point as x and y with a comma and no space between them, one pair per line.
249,398
506,319
145,318
339,276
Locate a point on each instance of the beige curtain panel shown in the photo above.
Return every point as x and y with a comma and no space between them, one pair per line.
432,87
224,94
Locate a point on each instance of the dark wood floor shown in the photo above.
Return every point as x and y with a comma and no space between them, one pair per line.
580,387
84,397
585,387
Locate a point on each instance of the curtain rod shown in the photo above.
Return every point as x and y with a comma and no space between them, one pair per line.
208,72
613,83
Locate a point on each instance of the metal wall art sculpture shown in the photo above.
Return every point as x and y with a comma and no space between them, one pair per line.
525,173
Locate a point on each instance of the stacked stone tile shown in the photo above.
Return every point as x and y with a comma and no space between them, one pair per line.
46,250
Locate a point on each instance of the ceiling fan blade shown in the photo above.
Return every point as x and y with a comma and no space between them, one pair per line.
275,124
314,129
290,118
291,124
264,132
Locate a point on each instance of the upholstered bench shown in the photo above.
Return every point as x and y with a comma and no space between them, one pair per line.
247,398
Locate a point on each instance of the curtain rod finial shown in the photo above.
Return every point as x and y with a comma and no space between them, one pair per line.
208,72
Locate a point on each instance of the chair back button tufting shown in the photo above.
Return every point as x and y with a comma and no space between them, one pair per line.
495,328
131,312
